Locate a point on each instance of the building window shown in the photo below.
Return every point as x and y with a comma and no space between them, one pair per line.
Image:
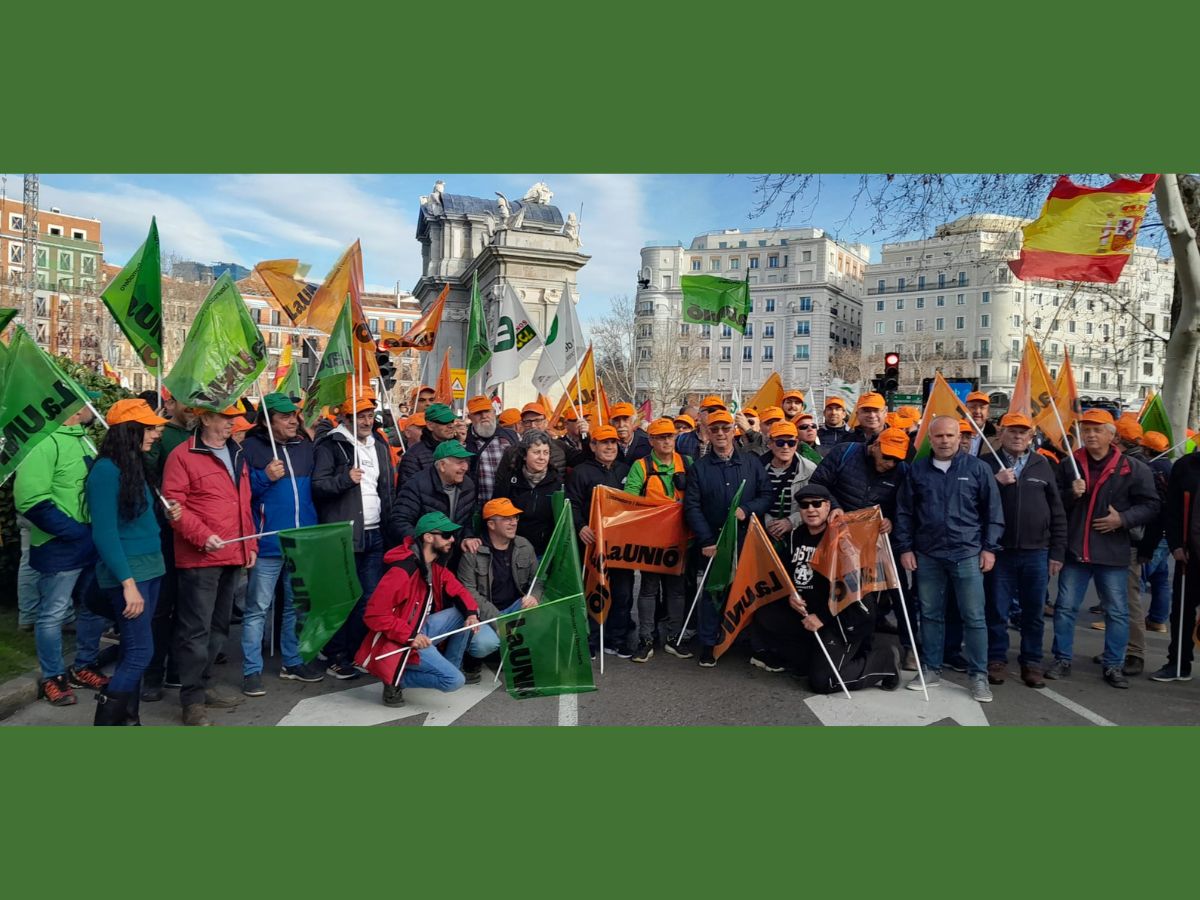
749,332
920,303
666,282
983,373
770,304
939,347
985,345
87,265
258,316
735,262
726,354
919,325
685,329
1087,377
754,262
43,258
802,328
882,286
920,282
960,322
726,331
806,304
939,324
390,324
706,352
879,328
695,265
899,305
714,264
66,261
275,321
899,326
985,321
941,279
1013,373
773,261
899,284
55,230
962,278
806,256
769,330
644,353
768,354
1071,326
962,300
722,245
16,253
16,222
802,351
941,300
1148,369
879,305
1090,328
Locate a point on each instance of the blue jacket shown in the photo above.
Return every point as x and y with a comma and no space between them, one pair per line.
711,484
850,474
273,502
949,515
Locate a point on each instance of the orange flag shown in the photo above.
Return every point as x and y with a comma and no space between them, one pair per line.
644,533
423,332
770,394
853,556
584,391
1065,397
760,578
288,290
345,278
1033,391
942,402
285,364
443,392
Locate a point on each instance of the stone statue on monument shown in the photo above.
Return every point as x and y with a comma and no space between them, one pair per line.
540,194
571,228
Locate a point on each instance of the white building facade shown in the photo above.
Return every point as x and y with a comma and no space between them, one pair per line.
806,291
951,303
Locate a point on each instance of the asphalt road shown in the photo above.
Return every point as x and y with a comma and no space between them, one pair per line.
669,691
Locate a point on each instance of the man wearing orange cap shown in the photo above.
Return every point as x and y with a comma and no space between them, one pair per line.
792,405
632,443
487,441
1115,495
1032,548
425,395
870,412
696,443
809,447
574,441
835,430
787,472
966,437
977,404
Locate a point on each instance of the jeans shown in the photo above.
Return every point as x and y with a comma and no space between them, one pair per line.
28,597
935,577
1023,575
56,591
1157,575
369,563
441,669
672,586
202,625
137,636
260,596
1111,585
163,625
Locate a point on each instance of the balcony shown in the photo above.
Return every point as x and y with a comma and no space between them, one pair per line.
914,289
981,354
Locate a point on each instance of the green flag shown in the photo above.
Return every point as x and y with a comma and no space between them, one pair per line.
720,575
560,571
224,352
320,563
328,387
291,382
811,453
36,397
709,300
1155,419
478,351
6,316
546,649
134,298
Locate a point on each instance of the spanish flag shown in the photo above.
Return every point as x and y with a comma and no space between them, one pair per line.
109,371
284,366
1083,233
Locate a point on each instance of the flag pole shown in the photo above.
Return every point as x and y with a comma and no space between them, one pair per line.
1063,429
983,437
904,609
424,616
696,599
829,659
1170,450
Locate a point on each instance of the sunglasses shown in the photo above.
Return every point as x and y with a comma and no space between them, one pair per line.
811,504
808,426
785,443
721,428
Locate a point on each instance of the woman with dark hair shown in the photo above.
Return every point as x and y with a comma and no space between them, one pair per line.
530,487
125,531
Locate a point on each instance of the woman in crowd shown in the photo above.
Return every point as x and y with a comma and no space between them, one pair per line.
530,487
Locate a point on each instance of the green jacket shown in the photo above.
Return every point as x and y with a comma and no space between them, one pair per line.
55,470
636,478
172,436
475,572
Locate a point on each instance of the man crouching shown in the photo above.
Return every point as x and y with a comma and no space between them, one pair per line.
418,597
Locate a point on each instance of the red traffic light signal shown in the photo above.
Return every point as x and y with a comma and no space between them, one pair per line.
891,359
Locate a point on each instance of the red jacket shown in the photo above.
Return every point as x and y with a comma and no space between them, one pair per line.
394,610
212,504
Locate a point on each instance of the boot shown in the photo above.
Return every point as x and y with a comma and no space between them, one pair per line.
133,716
112,708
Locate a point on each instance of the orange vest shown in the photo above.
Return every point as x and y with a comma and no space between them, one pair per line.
652,485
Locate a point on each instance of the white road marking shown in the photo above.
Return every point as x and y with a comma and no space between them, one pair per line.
872,706
1094,718
568,710
364,706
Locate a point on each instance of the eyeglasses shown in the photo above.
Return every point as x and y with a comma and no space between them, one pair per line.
810,504
720,428
785,443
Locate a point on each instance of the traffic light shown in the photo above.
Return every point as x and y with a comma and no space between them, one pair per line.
891,373
387,371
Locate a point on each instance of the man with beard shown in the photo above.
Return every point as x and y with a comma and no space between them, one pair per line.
487,441
834,431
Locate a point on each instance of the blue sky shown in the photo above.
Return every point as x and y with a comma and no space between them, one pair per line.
247,218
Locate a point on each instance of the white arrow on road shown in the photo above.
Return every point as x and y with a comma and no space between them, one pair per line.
364,705
875,707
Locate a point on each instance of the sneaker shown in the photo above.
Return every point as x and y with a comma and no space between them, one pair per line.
1098,626
1032,676
997,669
1134,665
57,691
674,646
252,685
1096,610
1060,669
958,663
707,660
625,652
393,696
307,672
644,652
1114,676
218,699
1160,627
891,681
910,661
1167,673
980,692
86,677
470,677
932,679
610,651
195,714
342,671
767,661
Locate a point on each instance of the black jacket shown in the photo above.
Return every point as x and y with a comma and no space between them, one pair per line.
537,513
950,515
712,482
1124,484
1034,518
418,456
639,446
337,498
1160,469
832,437
855,483
586,476
424,493
1182,489
510,462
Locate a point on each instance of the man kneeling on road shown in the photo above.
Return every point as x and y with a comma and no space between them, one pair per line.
847,636
418,597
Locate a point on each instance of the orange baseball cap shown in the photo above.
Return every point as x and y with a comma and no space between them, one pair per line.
569,413
1129,429
770,414
872,401
510,416
240,424
978,397
620,410
604,433
893,442
1097,417
964,427
720,417
364,403
536,408
750,411
423,388
686,420
479,403
133,410
894,420
910,412
712,400
1155,441
792,395
835,401
807,415
1016,420
661,426
783,429
500,506
416,419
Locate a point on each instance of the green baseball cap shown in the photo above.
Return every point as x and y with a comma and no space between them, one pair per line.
434,521
451,449
279,403
440,413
